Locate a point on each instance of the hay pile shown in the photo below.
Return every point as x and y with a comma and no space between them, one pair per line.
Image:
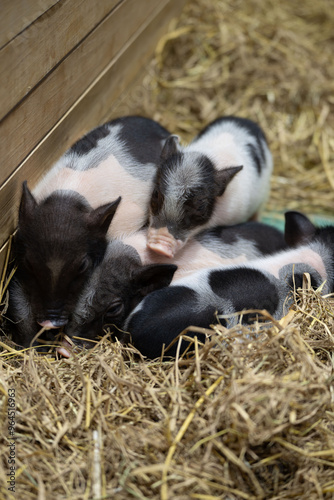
250,414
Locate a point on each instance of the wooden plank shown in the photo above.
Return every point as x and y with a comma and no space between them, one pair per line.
16,15
92,108
36,115
33,53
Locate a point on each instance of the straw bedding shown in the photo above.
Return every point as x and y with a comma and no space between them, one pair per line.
250,414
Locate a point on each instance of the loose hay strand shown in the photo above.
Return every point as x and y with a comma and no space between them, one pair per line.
6,277
97,486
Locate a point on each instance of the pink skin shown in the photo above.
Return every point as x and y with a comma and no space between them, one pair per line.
65,349
47,324
99,185
192,257
162,242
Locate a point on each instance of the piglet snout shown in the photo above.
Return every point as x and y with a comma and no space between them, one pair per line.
162,242
53,322
47,324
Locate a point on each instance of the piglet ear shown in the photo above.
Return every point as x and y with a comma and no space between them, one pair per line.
170,147
224,177
298,229
100,218
28,204
152,277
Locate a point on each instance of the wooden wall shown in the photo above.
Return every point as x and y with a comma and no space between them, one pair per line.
63,65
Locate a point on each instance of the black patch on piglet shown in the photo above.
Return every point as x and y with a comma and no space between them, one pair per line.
257,159
175,305
90,140
142,138
249,125
245,289
267,239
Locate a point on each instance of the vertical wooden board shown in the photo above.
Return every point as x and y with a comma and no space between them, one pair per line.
32,119
91,109
16,15
33,53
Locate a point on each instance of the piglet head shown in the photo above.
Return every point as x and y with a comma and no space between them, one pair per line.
186,189
58,244
115,289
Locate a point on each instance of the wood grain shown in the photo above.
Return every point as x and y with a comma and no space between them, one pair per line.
93,106
31,55
18,15
34,117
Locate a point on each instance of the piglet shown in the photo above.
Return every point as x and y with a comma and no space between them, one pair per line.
221,177
265,283
63,225
115,288
119,158
113,291
59,242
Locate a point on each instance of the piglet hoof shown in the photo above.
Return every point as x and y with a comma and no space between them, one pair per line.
65,349
162,242
161,249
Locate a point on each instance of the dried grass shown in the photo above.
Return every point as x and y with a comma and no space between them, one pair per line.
250,414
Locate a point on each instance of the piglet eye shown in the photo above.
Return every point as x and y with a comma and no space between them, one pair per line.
83,265
200,206
155,196
156,201
115,309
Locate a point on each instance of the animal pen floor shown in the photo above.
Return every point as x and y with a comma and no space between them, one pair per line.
250,415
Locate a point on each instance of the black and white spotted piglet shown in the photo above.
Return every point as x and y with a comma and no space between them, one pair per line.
63,225
118,158
221,177
129,272
261,284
